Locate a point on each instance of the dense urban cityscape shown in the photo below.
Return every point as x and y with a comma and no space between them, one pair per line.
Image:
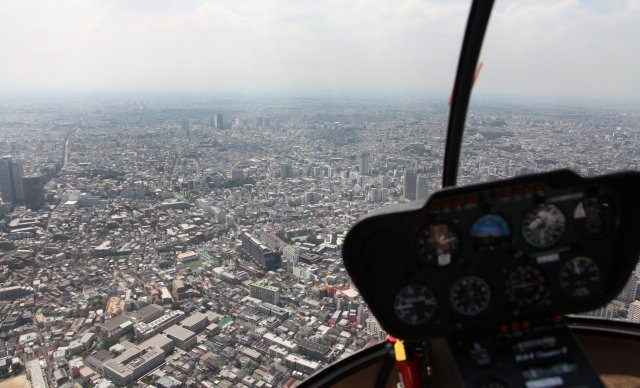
196,242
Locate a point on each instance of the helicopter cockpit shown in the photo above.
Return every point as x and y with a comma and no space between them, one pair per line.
493,268
476,286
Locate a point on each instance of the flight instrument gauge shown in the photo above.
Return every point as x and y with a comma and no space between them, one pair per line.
437,245
470,295
594,217
543,225
414,304
526,286
491,233
580,277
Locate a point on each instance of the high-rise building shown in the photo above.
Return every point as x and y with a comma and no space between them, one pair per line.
633,314
217,119
373,194
313,349
312,197
385,182
17,173
422,187
410,182
237,174
373,328
266,291
364,163
291,253
259,253
33,188
185,125
15,292
132,364
11,180
286,171
378,194
628,293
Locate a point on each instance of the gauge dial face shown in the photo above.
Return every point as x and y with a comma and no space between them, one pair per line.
526,286
490,225
491,233
414,304
543,225
437,245
580,277
470,296
594,217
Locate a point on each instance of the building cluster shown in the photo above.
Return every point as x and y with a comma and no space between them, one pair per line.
18,189
171,248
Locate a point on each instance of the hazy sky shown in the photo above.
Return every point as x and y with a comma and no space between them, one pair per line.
565,47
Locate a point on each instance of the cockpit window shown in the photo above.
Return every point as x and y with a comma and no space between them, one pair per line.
185,173
557,88
178,178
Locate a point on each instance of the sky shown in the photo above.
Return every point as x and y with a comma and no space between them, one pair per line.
532,48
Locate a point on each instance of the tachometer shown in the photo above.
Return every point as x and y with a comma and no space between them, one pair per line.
580,277
526,286
470,295
437,245
543,225
414,304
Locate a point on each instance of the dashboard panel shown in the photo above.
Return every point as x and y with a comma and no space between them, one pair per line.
537,245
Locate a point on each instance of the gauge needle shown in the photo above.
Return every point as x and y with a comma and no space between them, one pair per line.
576,268
444,240
536,223
546,216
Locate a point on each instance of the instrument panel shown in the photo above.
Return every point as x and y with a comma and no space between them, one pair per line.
537,245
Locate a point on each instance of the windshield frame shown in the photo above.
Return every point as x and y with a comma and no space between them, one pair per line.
469,54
